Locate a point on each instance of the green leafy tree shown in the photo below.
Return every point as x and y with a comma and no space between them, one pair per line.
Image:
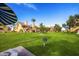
76,19
64,25
57,28
76,16
71,22
42,28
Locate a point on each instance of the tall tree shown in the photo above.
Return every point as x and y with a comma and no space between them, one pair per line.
57,28
76,16
42,28
64,25
76,19
71,22
33,20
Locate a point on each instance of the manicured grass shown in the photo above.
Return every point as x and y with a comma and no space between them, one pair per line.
59,43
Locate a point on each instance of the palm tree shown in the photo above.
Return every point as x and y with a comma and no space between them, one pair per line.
33,20
42,28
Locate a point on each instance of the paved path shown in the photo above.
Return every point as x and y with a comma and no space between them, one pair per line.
18,51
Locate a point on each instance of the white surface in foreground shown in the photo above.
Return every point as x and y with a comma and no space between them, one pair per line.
18,51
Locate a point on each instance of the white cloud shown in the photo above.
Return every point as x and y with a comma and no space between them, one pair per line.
31,6
28,5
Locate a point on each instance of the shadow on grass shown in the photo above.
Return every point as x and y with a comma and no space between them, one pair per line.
56,48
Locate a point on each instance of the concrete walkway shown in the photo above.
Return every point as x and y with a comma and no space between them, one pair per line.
18,51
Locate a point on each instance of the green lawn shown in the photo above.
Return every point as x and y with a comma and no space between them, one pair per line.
64,44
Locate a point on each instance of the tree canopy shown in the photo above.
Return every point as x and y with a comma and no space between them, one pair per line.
57,28
72,21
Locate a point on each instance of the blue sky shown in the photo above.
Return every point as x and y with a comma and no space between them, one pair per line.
47,13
